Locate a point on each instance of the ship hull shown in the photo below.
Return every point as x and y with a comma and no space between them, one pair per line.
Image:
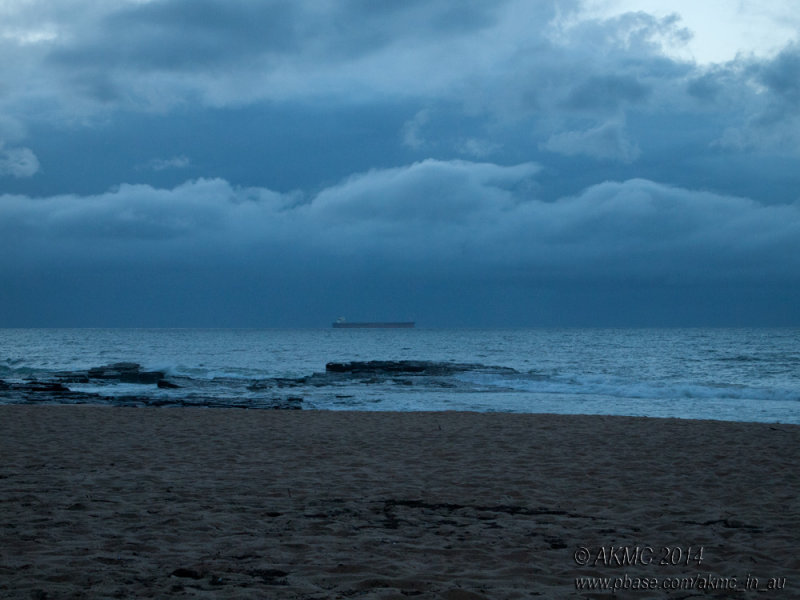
376,325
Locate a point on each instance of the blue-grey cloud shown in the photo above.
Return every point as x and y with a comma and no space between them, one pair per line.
606,141
507,64
265,50
782,76
606,92
17,161
162,164
188,35
758,101
436,216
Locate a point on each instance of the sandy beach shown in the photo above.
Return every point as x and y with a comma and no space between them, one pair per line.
111,502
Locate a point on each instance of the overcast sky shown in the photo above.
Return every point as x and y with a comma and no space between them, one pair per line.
454,162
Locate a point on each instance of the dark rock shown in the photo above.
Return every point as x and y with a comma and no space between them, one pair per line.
43,386
377,367
290,403
44,391
142,377
72,376
280,382
114,370
125,372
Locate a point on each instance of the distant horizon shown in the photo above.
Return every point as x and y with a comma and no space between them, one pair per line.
417,327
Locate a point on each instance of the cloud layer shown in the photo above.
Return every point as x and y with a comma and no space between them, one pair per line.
17,162
475,219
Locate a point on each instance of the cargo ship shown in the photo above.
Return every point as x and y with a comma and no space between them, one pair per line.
342,323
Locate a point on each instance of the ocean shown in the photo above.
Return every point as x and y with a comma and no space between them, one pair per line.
725,374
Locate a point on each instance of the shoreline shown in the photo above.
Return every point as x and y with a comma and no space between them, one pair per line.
289,406
126,502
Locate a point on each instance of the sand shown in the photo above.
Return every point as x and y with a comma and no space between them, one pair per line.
110,502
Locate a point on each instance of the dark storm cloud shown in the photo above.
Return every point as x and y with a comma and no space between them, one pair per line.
433,217
503,61
162,54
779,121
500,60
608,141
185,35
606,92
706,87
761,99
782,75
431,16
192,35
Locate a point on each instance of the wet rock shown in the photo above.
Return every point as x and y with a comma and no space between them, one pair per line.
43,386
72,376
43,391
125,372
290,403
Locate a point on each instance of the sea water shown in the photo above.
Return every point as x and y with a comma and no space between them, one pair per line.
727,374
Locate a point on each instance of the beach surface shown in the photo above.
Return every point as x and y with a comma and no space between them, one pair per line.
112,502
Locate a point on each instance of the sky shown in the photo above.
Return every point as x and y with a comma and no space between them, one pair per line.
459,163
